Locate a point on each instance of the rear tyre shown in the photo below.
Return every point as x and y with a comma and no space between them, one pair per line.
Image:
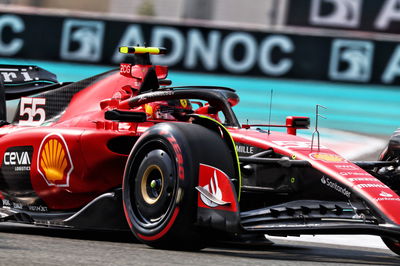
159,196
389,175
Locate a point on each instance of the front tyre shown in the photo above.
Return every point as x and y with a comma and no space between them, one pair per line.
160,200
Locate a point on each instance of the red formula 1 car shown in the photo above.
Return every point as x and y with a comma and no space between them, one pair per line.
124,149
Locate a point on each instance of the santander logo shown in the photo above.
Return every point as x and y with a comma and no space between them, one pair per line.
214,189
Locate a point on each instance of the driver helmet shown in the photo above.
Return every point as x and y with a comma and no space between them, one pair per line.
169,110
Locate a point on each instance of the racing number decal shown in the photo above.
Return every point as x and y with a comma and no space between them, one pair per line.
125,70
29,108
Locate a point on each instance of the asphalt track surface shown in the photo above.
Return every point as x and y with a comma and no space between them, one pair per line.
44,246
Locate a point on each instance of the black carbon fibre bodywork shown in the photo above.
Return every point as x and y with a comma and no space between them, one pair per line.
57,100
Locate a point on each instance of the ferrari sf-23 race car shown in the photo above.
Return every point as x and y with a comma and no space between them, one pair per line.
124,150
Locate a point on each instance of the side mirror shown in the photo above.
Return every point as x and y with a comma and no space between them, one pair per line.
125,116
296,122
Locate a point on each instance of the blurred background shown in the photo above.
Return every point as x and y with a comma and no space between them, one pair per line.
342,54
259,12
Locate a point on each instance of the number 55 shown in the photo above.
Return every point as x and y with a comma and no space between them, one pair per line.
32,111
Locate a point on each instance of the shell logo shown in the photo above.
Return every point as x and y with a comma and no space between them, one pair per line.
54,161
327,157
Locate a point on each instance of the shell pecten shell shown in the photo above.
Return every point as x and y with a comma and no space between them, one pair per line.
53,160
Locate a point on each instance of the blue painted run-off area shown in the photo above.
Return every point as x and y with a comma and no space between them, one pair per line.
360,108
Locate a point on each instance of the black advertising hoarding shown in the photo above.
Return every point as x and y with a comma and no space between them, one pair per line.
202,49
381,16
189,48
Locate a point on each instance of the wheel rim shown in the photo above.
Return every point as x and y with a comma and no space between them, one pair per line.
152,184
154,190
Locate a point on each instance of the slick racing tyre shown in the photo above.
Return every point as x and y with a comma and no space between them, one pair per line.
393,244
390,175
159,196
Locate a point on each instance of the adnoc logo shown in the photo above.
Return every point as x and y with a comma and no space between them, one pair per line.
54,161
82,40
351,60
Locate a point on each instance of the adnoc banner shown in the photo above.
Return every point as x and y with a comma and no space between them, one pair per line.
202,49
381,16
